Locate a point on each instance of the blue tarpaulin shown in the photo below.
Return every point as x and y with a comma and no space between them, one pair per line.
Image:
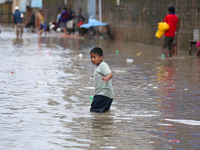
36,3
93,23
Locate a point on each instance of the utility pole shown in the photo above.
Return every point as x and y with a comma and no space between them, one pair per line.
100,19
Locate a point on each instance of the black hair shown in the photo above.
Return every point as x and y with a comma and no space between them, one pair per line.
97,50
172,9
65,8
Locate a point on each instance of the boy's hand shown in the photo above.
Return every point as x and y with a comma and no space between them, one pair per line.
105,79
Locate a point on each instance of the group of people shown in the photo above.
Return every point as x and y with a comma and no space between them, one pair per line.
65,20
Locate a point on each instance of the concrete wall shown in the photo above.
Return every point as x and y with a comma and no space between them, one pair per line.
80,4
136,20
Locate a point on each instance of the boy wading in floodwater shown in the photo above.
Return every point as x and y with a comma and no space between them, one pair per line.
103,84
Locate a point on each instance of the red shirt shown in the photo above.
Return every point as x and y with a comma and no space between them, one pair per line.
172,20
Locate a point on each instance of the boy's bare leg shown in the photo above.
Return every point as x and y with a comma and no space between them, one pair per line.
40,32
172,50
170,53
65,31
21,32
165,52
17,34
175,50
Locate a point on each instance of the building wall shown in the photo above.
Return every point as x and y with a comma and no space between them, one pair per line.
136,20
51,9
6,13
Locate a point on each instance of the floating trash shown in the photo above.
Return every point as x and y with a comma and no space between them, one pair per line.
62,77
117,52
138,54
163,55
47,52
174,141
129,60
41,83
91,98
80,55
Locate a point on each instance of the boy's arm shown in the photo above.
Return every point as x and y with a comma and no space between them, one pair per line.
107,78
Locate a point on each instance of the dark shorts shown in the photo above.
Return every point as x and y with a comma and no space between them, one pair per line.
100,104
41,26
168,42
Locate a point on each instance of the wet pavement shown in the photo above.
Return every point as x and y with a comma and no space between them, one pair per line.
45,86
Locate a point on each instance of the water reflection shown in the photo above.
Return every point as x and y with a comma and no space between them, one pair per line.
166,76
17,41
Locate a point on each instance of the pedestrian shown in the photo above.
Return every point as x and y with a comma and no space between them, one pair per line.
41,19
172,20
103,84
198,48
70,21
81,19
18,18
64,19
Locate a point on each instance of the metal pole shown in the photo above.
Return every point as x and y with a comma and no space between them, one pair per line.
100,19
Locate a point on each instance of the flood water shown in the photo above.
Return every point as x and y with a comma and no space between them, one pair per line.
45,88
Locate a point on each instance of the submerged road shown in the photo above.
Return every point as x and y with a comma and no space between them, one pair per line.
44,96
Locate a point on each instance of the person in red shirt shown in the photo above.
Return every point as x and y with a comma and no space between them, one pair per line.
172,20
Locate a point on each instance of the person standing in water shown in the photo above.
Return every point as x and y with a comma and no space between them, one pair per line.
172,20
64,19
70,21
41,22
103,84
18,21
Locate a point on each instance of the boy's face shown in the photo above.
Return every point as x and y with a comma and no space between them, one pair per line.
95,59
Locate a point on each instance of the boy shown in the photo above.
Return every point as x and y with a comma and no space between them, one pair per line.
103,84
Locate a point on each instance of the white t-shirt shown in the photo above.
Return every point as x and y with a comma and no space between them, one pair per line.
101,87
22,15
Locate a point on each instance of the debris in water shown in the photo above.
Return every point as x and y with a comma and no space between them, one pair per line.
91,98
47,52
129,60
80,55
41,83
174,141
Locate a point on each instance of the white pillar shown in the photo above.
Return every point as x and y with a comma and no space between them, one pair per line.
118,2
100,19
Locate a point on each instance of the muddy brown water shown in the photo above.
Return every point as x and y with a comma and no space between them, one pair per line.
45,88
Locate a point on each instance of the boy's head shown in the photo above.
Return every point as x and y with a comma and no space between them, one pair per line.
96,55
171,9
